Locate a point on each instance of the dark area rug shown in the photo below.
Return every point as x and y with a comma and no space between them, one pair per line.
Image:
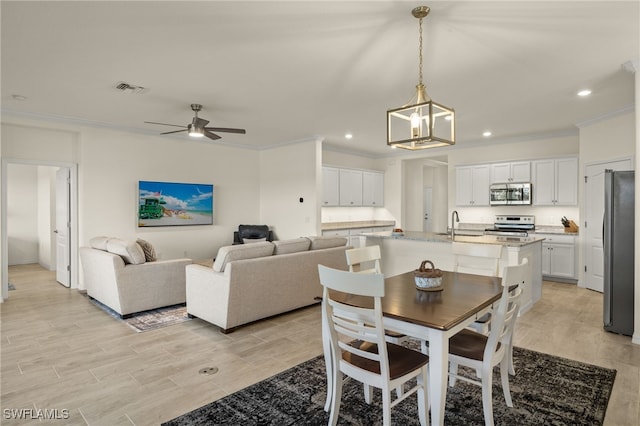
547,390
152,319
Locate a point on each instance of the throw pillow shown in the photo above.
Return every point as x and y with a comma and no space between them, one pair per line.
148,249
130,251
228,254
253,240
99,243
318,243
291,246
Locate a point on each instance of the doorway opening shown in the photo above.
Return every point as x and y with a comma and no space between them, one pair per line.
40,192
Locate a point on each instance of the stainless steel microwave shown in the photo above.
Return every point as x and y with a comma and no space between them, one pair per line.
501,194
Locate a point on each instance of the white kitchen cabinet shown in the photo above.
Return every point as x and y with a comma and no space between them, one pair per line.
330,186
350,188
559,257
372,189
555,181
472,185
517,171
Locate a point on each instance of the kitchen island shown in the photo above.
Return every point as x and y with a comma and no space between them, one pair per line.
406,251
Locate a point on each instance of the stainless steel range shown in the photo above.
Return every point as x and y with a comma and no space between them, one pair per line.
512,225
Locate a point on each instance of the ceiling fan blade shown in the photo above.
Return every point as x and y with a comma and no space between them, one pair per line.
174,131
199,122
164,124
226,129
210,135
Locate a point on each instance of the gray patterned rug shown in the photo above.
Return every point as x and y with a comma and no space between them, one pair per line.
547,390
152,319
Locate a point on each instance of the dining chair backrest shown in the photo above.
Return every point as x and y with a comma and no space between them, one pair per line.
503,321
474,258
364,259
347,322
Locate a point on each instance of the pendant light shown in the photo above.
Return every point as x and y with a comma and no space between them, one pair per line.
421,123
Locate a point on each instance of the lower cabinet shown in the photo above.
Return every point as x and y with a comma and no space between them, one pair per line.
559,257
353,235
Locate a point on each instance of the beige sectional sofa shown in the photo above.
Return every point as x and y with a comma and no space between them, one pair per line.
118,275
249,282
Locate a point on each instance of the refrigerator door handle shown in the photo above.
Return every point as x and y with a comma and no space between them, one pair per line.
606,248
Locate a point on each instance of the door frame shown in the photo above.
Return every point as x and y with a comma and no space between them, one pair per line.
73,231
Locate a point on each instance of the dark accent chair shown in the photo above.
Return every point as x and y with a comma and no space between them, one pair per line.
252,232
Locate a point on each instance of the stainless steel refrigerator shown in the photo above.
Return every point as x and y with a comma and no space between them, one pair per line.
618,234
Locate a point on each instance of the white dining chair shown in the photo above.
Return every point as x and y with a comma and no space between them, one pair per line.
360,350
481,352
479,259
366,260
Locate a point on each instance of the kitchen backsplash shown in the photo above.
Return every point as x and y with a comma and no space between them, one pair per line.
348,214
547,216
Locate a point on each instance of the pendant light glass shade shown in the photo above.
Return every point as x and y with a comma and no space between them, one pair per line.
421,123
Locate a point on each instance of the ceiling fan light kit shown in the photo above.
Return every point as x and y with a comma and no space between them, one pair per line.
421,123
197,128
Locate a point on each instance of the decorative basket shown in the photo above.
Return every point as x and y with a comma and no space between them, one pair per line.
428,278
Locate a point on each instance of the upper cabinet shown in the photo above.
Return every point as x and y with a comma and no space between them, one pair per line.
330,186
517,171
472,185
372,189
352,188
555,181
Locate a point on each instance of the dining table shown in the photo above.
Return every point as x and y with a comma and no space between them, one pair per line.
432,315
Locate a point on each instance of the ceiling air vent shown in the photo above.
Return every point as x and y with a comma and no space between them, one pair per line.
129,88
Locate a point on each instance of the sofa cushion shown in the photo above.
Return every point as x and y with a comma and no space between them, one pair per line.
291,246
148,249
130,251
327,242
228,254
99,243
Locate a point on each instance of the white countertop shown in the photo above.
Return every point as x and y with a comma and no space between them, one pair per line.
445,238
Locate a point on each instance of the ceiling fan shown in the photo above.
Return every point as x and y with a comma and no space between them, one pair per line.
198,128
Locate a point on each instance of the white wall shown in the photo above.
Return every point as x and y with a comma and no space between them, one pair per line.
287,174
22,214
110,163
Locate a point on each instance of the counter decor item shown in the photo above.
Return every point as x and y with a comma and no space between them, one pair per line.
397,232
569,225
428,279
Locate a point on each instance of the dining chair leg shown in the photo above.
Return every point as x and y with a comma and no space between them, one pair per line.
386,407
368,393
504,375
509,356
423,398
336,397
453,372
487,403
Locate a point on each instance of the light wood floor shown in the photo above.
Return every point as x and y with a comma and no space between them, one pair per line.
59,352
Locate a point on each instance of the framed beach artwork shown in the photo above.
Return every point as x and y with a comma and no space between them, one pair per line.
174,204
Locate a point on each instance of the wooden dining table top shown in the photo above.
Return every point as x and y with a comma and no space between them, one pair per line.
462,296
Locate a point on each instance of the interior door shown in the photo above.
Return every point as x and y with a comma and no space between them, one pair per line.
428,209
594,216
63,225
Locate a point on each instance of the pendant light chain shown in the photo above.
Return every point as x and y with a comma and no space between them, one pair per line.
420,53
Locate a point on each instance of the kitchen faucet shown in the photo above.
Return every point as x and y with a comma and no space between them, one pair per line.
454,215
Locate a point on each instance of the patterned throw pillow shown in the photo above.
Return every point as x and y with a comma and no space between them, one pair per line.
149,251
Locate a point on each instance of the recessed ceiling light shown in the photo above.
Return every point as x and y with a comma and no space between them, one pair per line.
486,134
348,135
585,92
